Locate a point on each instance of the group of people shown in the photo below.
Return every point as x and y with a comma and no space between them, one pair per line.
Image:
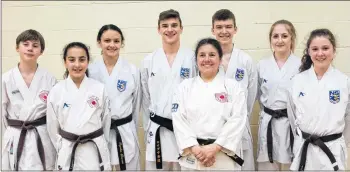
195,106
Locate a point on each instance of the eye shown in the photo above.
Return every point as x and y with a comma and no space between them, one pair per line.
117,41
314,49
164,25
229,26
218,27
275,36
71,60
174,25
107,40
285,36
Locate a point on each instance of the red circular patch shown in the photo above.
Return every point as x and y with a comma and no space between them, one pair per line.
93,103
222,97
45,97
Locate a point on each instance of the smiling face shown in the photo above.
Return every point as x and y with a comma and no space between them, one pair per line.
110,43
170,30
76,62
281,39
224,30
208,60
29,51
321,51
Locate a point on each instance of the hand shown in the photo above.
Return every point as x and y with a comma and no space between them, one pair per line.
210,152
197,151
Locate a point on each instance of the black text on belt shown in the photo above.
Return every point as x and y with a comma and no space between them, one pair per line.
163,122
235,158
119,141
25,126
275,114
82,139
319,141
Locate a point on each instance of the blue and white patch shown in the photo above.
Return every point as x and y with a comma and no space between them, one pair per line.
174,108
301,94
121,86
185,73
334,96
239,74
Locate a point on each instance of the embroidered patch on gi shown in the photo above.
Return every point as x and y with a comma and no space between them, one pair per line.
221,97
59,167
93,101
121,86
15,91
239,74
301,94
334,96
150,135
190,160
185,73
65,105
264,81
174,108
43,95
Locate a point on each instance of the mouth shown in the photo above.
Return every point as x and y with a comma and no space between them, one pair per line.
321,59
225,36
170,35
77,70
29,55
207,65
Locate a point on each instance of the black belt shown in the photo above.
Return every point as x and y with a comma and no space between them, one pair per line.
235,158
319,141
119,141
25,126
163,122
82,139
276,114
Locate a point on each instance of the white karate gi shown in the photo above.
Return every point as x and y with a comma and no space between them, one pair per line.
124,92
20,102
320,107
241,68
273,94
159,81
79,111
215,110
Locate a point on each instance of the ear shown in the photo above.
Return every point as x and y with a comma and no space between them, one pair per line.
212,30
158,29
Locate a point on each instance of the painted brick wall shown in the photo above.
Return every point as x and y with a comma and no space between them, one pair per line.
66,21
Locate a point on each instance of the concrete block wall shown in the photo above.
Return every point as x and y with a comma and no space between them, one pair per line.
61,22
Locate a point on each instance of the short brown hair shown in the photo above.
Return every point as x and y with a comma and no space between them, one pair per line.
31,35
223,14
169,14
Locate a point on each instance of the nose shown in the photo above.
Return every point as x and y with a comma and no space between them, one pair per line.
319,52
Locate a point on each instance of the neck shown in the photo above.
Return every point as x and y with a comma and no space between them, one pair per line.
281,56
227,48
77,81
207,78
320,71
171,48
110,61
27,68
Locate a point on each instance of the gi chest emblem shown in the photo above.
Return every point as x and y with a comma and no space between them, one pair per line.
93,102
121,86
185,73
43,95
334,96
221,97
239,74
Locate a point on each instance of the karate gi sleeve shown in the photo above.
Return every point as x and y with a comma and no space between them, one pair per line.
347,119
137,96
252,87
259,93
291,110
145,97
106,116
52,121
4,103
232,131
184,134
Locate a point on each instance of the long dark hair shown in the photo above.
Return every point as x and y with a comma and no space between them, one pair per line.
306,61
78,45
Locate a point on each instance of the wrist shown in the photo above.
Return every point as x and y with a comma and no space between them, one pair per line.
218,147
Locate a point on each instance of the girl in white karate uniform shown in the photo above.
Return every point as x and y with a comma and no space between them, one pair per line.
209,115
25,141
275,72
78,115
319,109
122,82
